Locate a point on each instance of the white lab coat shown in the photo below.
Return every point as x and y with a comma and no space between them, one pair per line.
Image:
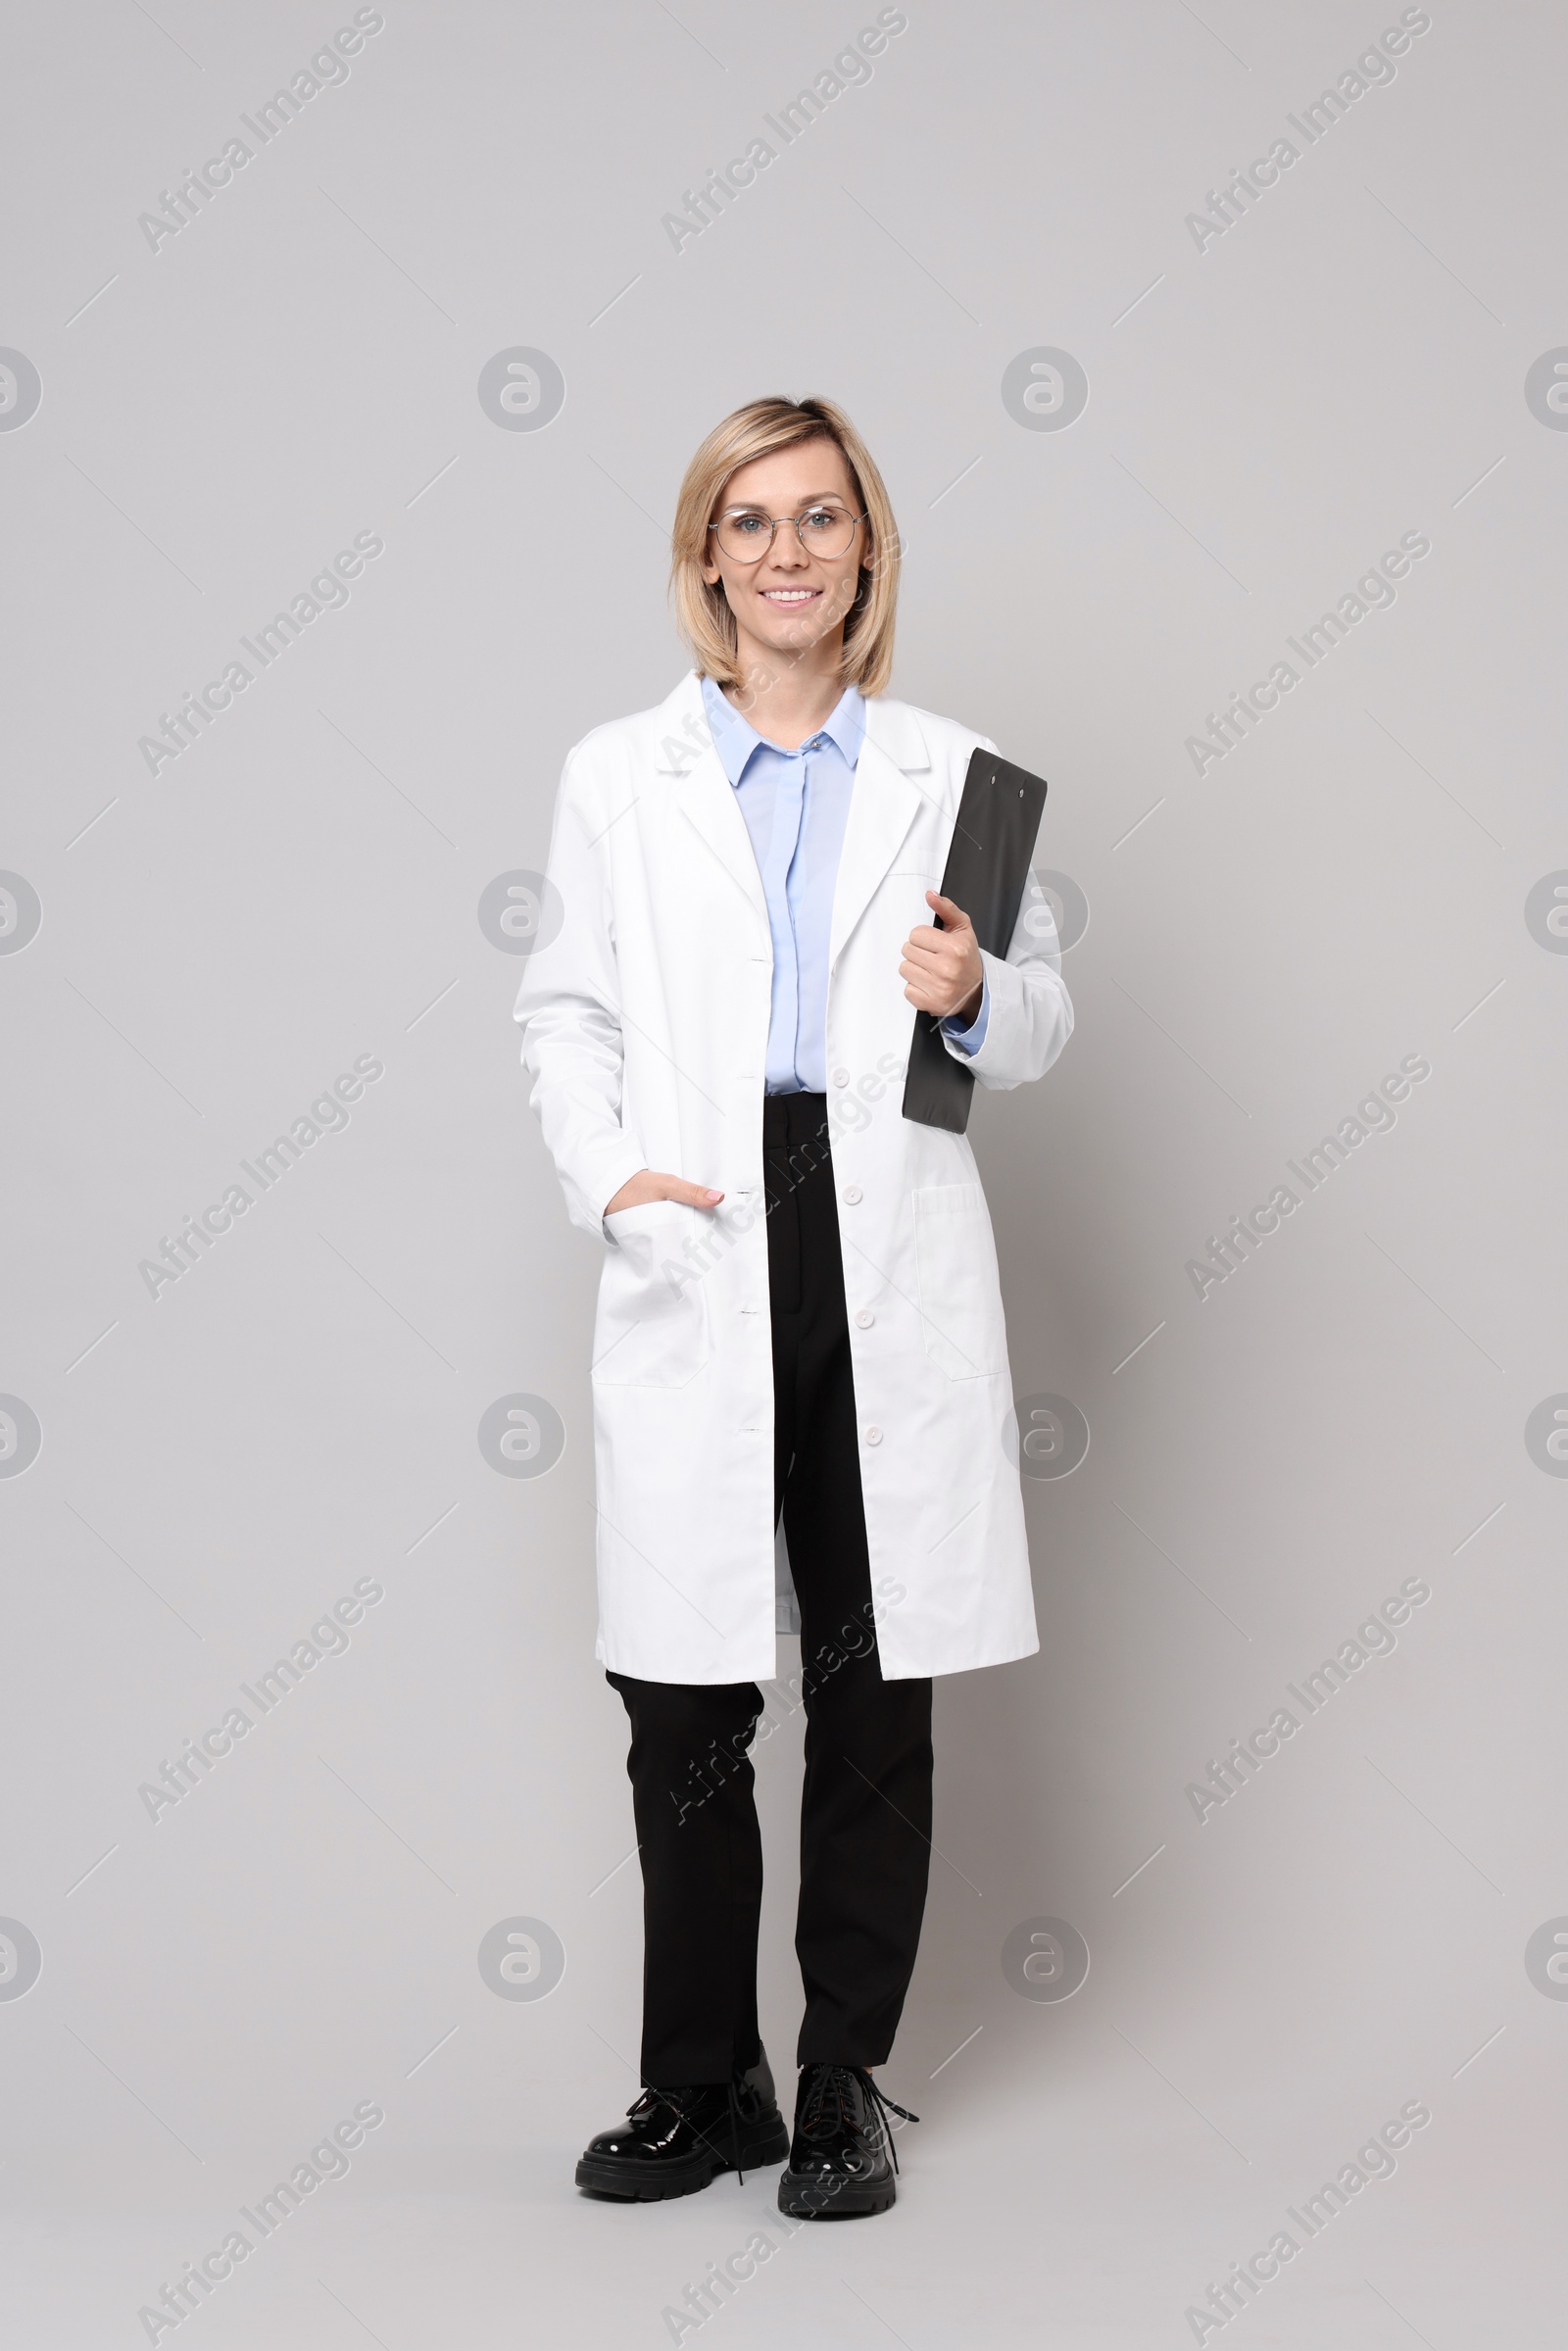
644,1023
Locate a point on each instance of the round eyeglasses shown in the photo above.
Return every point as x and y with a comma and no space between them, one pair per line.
745,534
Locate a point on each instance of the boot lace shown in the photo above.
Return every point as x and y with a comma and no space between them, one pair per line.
828,2106
680,2103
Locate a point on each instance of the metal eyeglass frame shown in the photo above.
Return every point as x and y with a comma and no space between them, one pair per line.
773,522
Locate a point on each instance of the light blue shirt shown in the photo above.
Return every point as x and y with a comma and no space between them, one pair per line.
796,804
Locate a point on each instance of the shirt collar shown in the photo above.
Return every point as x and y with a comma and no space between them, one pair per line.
735,738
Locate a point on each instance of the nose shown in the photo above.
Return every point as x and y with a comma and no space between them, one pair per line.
787,553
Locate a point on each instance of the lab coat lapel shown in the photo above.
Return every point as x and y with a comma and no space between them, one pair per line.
891,783
705,795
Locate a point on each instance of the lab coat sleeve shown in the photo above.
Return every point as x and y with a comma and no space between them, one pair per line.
1029,1013
569,1010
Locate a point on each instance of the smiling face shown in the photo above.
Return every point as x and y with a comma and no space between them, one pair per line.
793,600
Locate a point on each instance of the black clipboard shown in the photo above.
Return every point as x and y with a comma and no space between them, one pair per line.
988,865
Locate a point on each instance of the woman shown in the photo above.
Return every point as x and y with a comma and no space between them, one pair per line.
799,1310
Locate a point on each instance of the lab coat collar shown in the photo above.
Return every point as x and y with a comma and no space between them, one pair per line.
889,786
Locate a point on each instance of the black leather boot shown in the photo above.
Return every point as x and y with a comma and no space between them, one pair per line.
674,2141
841,2159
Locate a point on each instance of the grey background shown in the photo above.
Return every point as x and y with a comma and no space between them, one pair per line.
302,1408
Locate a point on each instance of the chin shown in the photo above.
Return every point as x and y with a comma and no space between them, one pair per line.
794,630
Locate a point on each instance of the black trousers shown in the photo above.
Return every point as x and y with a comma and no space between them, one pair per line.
866,1810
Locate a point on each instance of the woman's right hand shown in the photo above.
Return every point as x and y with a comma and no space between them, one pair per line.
646,1185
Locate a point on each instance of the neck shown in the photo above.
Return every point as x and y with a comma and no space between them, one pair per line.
787,696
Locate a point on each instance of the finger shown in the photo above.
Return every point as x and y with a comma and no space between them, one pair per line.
944,980
691,1196
943,945
954,917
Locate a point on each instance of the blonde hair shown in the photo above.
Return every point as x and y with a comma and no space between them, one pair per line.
701,611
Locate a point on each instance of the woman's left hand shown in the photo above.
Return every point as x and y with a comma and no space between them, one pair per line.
942,970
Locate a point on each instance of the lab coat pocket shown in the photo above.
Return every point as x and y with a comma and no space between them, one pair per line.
653,1328
961,1293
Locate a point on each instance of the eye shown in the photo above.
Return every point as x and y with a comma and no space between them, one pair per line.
821,520
746,526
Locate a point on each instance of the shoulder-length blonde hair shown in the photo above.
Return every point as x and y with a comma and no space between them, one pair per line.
702,613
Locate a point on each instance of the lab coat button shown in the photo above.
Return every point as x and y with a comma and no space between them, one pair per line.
873,1436
865,1318
841,1077
853,1195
